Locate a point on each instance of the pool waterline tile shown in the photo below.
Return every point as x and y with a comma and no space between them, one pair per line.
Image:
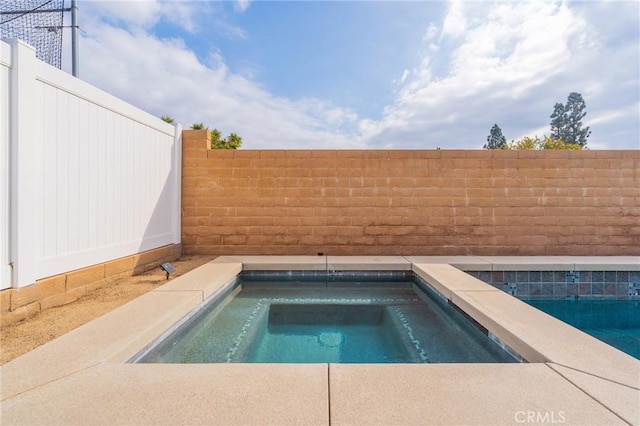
560,276
585,288
610,276
535,289
548,289
622,276
597,288
547,277
535,276
485,276
523,290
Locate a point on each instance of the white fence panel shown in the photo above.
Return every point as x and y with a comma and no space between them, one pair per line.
5,65
104,177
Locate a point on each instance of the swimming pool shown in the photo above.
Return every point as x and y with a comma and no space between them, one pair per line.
616,322
387,318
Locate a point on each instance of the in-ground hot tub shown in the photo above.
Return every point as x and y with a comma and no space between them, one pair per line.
566,371
383,317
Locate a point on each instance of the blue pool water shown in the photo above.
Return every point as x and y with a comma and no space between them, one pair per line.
615,322
313,322
329,333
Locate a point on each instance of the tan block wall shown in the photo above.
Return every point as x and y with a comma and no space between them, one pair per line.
439,202
21,303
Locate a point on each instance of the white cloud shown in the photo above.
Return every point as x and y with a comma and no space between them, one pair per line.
455,22
229,30
139,13
511,64
504,63
184,15
242,5
327,114
165,77
611,115
429,36
145,13
431,33
405,75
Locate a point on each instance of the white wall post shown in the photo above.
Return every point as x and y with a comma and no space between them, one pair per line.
5,170
177,184
25,159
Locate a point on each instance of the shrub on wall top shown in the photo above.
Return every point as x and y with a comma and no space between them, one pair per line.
544,143
233,141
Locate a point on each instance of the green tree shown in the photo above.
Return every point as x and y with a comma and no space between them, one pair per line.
558,120
233,141
167,119
496,140
216,139
198,126
566,121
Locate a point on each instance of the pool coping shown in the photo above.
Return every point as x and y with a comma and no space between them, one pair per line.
604,381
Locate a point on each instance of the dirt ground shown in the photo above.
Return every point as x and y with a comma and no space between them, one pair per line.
21,337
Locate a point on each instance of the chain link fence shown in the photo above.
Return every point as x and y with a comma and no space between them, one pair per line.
36,22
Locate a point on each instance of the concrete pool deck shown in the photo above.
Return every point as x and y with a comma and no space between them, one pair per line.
570,378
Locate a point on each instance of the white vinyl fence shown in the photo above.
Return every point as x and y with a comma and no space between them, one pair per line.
86,177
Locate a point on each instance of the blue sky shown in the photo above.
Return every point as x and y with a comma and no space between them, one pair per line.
370,74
